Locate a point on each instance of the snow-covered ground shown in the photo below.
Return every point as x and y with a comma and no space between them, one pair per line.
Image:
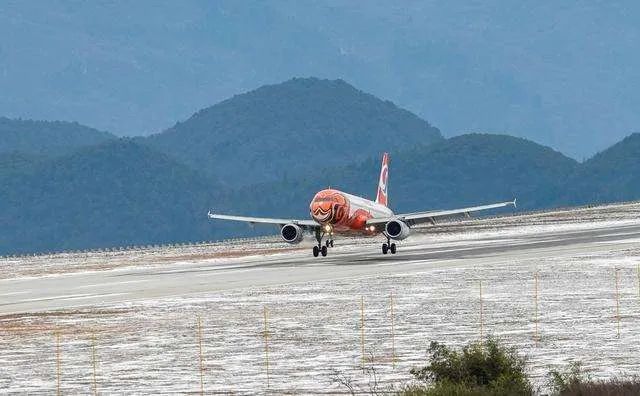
151,346
467,230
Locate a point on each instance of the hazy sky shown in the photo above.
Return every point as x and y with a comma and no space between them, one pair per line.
563,74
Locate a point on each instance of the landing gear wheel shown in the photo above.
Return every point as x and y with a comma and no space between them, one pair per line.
393,248
332,243
324,251
327,243
385,248
316,251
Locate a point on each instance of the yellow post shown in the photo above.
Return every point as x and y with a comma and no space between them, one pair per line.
200,355
266,344
536,338
393,337
481,318
94,359
362,328
58,369
615,271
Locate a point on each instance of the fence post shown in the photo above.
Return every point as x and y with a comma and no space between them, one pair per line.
362,328
615,271
58,363
536,337
200,355
481,317
393,336
94,360
266,344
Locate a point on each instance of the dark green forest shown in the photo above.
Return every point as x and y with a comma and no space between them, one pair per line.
292,129
47,138
64,186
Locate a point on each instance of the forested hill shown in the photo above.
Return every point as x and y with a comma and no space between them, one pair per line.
292,129
561,73
47,138
461,171
479,168
610,176
17,162
117,193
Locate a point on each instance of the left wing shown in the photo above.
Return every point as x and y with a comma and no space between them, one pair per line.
430,217
306,224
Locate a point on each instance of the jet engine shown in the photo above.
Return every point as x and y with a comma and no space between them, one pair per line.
291,233
397,229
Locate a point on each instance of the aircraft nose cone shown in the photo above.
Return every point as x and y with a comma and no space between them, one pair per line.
321,213
329,207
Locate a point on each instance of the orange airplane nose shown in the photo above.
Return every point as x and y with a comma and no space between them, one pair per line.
329,207
322,211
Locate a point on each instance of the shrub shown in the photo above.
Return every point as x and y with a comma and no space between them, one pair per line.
447,388
489,369
561,381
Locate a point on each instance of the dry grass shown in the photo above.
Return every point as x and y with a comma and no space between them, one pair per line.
46,322
612,387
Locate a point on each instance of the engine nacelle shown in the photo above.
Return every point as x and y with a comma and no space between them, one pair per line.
397,229
291,233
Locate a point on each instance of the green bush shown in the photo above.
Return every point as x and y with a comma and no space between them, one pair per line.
489,369
560,381
446,388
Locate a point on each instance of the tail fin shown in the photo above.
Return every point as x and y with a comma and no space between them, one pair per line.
381,197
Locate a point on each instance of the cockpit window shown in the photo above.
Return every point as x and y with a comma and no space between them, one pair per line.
325,199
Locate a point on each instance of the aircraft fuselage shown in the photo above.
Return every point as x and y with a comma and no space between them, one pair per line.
344,212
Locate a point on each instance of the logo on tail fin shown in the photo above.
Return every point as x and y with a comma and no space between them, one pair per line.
381,196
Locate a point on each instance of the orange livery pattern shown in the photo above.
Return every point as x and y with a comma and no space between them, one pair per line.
334,208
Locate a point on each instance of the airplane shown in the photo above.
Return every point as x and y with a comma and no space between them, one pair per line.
335,212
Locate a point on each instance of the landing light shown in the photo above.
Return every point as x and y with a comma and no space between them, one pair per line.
372,228
327,228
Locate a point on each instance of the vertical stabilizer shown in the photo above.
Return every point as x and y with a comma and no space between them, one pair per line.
381,196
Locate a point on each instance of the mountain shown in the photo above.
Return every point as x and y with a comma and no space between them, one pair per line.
17,162
291,129
612,175
559,73
117,193
462,171
47,138
479,168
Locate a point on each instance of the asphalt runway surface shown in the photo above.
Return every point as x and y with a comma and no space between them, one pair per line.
92,288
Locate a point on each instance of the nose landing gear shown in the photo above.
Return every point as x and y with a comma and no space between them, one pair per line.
322,249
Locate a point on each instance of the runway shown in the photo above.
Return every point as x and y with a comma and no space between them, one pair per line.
417,254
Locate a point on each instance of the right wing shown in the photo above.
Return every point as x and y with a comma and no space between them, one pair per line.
306,224
432,216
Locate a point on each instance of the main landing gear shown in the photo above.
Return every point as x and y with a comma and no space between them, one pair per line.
320,248
388,247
